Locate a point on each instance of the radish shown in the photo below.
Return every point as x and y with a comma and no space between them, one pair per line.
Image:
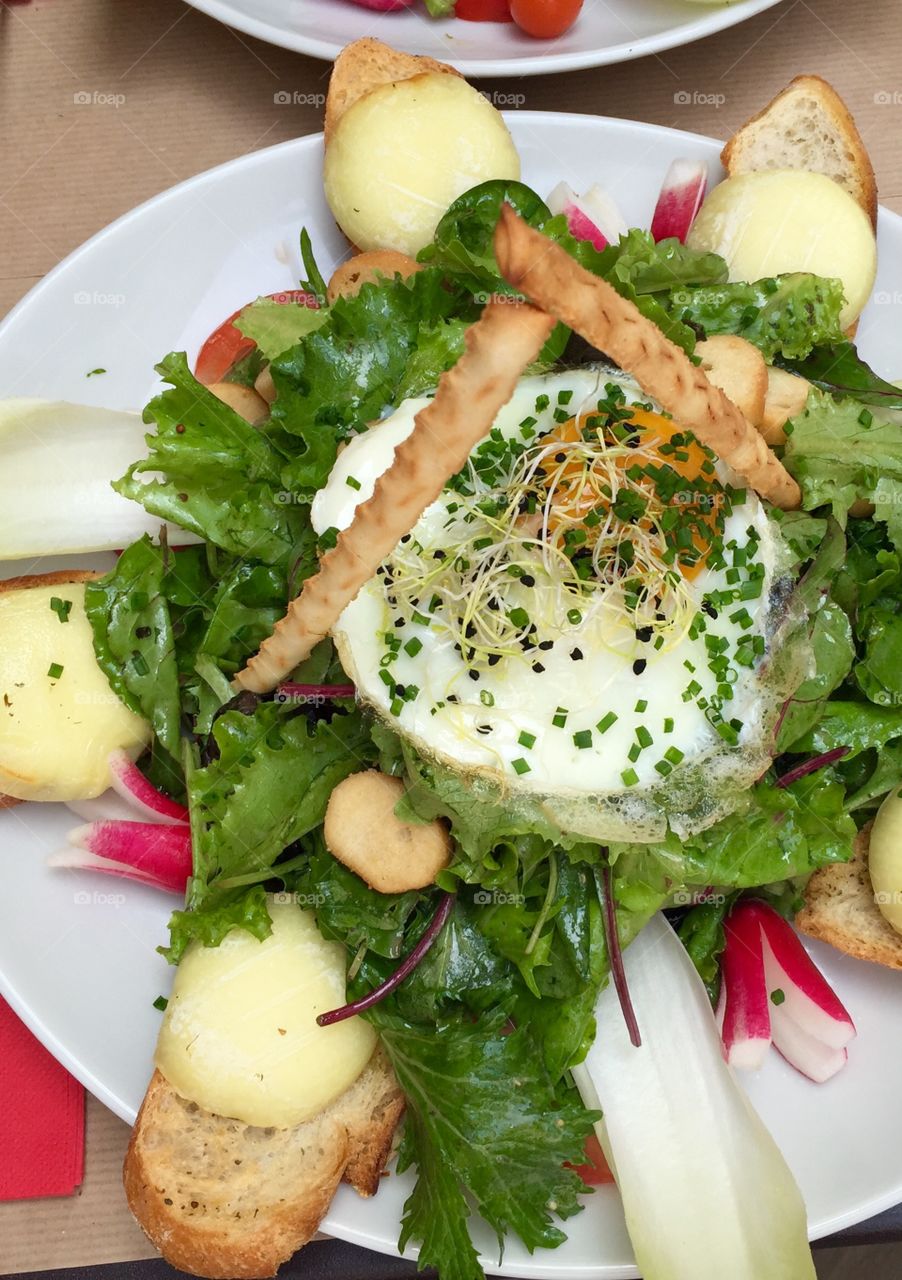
143,851
593,217
772,987
682,195
129,782
107,806
744,1009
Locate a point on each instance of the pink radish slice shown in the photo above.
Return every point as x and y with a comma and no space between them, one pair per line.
744,1011
130,783
809,1000
593,217
811,1057
682,194
144,851
105,807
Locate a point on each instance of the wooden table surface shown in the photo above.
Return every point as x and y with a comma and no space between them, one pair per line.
177,93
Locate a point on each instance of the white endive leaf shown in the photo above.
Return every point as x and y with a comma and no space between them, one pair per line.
57,462
706,1192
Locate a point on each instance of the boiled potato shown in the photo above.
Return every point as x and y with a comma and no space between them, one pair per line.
59,718
789,220
240,1036
885,859
401,154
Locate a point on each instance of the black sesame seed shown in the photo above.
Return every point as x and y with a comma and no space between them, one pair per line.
483,729
474,675
576,655
439,555
644,634
400,690
538,668
494,659
560,457
452,697
639,666
527,580
708,608
399,622
545,645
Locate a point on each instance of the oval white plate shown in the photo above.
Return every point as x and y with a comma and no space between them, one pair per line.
77,956
613,31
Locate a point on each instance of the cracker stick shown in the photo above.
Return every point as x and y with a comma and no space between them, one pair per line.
552,280
507,337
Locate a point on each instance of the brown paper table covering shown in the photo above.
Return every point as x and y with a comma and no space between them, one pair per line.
104,103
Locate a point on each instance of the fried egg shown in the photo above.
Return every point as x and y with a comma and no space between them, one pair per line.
585,616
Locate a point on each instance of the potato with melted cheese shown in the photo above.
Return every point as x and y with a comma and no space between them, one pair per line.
59,718
405,151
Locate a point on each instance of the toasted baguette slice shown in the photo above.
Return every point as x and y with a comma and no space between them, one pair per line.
840,909
7,802
225,1200
807,126
362,67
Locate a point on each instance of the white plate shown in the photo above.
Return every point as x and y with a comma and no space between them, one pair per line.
77,954
606,31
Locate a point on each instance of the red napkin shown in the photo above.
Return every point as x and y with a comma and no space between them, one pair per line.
42,1117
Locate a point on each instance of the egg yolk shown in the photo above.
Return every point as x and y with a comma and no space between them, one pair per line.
656,445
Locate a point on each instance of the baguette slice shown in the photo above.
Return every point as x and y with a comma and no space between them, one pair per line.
364,66
840,909
806,126
226,1200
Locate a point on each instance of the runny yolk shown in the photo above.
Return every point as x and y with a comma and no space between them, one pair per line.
574,498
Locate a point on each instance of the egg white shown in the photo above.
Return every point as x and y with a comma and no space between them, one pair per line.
506,724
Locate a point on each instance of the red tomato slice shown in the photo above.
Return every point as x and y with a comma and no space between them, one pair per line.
595,1171
227,345
545,19
483,10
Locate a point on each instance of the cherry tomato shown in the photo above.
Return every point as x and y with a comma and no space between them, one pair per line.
595,1171
483,10
545,19
227,345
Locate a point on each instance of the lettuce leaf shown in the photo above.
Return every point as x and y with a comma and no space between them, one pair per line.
277,326
221,477
788,315
133,639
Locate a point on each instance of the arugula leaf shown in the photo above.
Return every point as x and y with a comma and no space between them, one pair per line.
472,1135
269,787
879,673
221,477
463,240
789,314
801,531
276,326
701,932
884,775
838,368
133,640
857,726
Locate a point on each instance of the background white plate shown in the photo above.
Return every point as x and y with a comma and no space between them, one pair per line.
77,956
606,31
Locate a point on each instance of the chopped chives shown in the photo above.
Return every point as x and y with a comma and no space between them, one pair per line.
583,739
629,777
520,766
55,671
606,721
527,740
413,646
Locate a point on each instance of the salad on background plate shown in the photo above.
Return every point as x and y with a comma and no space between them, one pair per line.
500,654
